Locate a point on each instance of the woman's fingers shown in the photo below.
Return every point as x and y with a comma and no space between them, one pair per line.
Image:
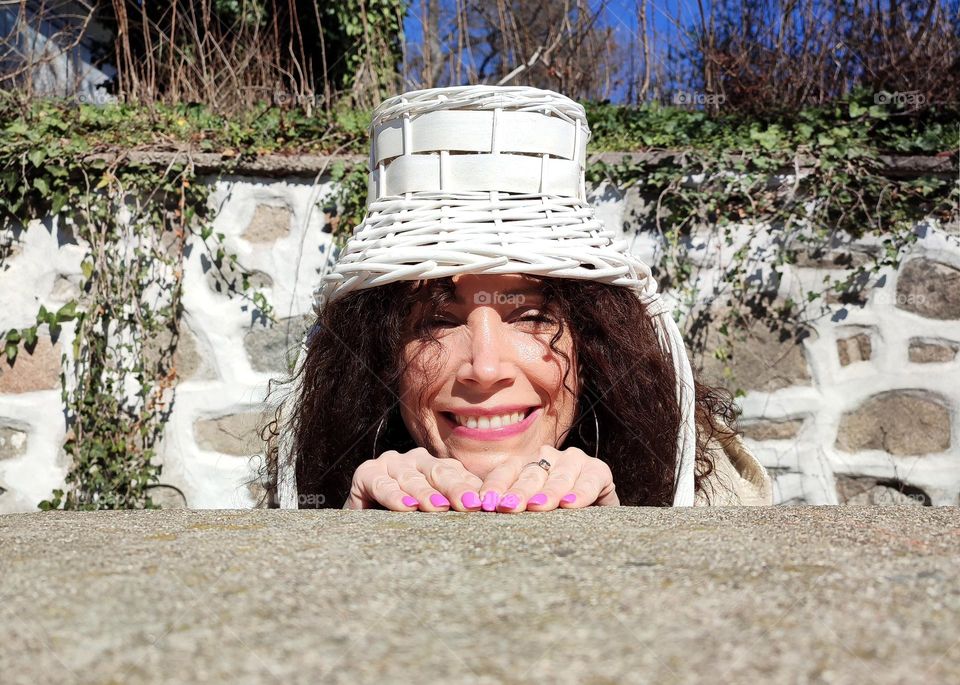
451,481
372,485
594,485
529,481
438,484
496,485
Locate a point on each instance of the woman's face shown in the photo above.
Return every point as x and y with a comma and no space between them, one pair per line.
493,391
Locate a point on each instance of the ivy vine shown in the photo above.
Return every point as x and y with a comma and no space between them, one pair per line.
134,221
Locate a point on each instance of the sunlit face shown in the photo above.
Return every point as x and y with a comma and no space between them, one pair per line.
493,391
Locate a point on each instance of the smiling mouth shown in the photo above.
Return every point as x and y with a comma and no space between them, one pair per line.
489,422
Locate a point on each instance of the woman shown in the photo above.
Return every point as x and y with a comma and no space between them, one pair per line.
485,344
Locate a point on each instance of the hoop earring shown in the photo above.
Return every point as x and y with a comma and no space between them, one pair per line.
377,436
596,428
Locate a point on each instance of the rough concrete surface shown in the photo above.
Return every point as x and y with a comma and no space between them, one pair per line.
601,595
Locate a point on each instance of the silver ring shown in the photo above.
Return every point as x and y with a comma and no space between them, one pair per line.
543,463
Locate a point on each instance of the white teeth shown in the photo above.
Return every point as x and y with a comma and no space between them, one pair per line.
490,422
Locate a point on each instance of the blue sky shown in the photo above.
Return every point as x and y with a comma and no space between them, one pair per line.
619,14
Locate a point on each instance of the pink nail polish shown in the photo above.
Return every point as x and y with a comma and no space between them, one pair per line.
409,501
470,500
438,500
510,501
539,498
569,498
490,501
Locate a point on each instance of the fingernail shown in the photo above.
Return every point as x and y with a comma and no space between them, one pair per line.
569,498
510,501
539,498
410,501
438,500
470,500
490,501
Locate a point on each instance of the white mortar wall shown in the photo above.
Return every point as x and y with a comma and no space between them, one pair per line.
293,262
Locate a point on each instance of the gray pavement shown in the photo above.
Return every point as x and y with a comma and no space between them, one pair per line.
603,595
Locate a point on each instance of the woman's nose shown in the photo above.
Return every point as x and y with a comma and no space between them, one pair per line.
488,359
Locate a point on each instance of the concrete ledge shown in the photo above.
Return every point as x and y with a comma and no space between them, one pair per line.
618,595
281,165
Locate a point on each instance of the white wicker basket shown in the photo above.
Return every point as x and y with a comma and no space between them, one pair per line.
490,180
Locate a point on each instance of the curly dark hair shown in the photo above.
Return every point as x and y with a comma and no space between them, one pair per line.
350,378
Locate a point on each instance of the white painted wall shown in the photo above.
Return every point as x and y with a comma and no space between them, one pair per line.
43,269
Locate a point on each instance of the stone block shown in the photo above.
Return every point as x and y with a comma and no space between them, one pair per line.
874,492
902,422
13,442
235,434
932,351
782,429
930,289
228,279
65,288
758,358
32,371
835,259
268,224
188,358
856,348
168,497
273,349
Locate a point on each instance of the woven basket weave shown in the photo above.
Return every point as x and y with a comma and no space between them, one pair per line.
490,180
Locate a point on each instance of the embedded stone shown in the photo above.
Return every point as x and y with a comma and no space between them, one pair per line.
187,358
901,422
228,279
274,348
874,492
236,434
772,429
930,289
856,348
756,358
928,351
32,371
13,442
65,288
168,497
834,259
269,223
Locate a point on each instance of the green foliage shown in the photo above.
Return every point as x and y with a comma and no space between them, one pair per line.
841,197
364,44
134,221
852,123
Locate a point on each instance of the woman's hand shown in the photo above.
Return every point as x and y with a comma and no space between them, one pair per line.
413,480
575,480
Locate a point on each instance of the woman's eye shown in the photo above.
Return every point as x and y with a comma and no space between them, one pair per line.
537,318
443,322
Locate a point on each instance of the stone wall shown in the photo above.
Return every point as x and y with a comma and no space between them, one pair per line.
861,407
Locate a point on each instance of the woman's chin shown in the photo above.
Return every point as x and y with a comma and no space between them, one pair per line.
480,462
